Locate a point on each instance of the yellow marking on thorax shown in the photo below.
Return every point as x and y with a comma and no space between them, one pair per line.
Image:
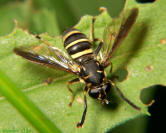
84,68
79,54
89,85
99,71
69,34
105,75
97,63
81,80
75,42
86,77
99,96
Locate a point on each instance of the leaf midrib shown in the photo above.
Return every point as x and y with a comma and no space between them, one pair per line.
29,89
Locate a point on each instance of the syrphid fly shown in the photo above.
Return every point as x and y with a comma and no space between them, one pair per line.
88,64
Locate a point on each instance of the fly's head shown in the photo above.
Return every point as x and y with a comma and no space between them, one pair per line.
101,92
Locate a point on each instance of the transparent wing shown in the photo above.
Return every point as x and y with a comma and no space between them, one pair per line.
48,56
116,32
110,34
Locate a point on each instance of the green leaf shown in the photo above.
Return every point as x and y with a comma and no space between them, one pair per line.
141,56
29,110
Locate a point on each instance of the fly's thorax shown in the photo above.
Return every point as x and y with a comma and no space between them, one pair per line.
92,73
77,45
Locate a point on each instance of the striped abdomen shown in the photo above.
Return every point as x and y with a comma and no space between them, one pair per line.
77,45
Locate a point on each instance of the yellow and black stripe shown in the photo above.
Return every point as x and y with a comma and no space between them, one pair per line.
77,45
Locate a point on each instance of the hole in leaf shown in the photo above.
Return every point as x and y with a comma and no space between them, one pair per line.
121,74
157,109
147,94
145,1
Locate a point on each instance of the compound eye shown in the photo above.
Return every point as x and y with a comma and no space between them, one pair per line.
94,93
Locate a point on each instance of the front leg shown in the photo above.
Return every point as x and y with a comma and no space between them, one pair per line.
80,124
123,97
68,83
93,39
92,30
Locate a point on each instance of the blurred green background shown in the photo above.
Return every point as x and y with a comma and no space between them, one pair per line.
53,16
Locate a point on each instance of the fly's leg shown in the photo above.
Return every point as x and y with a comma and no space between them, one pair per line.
124,98
92,30
80,124
93,39
102,9
68,83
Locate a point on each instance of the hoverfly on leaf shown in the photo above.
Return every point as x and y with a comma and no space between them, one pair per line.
85,62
